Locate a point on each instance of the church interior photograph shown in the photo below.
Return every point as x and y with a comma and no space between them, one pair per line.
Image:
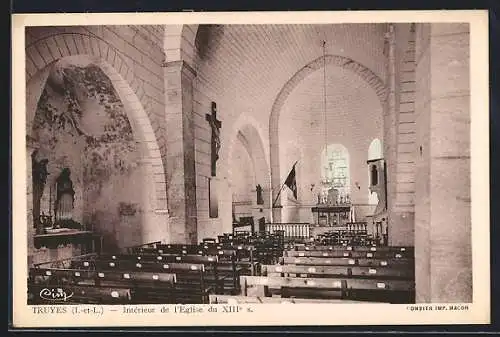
248,163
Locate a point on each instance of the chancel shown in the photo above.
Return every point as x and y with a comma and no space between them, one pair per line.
340,175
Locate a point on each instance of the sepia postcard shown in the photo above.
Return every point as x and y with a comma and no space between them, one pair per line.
250,169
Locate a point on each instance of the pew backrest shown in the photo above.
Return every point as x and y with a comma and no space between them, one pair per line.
291,282
345,261
238,299
77,275
348,253
395,249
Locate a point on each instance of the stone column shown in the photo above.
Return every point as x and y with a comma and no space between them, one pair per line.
31,146
390,125
442,207
422,160
181,175
450,216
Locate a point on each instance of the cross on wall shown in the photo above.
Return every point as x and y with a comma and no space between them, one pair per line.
215,125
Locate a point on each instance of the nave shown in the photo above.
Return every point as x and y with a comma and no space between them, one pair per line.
169,134
239,267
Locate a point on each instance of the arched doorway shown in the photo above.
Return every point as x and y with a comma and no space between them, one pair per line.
249,176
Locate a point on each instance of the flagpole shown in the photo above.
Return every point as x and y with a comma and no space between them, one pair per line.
279,193
281,189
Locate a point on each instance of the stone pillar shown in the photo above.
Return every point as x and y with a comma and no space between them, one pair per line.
422,160
402,218
450,217
154,217
442,208
390,125
181,175
31,146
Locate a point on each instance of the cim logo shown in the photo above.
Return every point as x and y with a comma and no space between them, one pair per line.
55,294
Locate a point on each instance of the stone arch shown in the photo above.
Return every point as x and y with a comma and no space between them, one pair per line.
43,53
333,60
247,130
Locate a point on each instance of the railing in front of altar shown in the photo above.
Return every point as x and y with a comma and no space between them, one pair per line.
291,230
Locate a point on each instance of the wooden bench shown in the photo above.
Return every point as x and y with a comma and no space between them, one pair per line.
410,250
149,287
349,253
288,286
178,249
228,299
191,284
134,249
196,276
244,255
343,271
346,261
391,291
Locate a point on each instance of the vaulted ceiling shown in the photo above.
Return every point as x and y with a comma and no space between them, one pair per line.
246,66
259,59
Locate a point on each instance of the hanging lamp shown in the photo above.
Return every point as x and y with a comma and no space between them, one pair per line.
325,181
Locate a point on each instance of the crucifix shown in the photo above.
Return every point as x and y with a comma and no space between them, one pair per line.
215,125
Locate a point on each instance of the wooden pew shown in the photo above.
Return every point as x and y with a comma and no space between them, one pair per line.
227,267
244,255
343,271
191,284
288,286
145,287
304,271
228,299
196,276
134,249
346,261
391,291
178,249
302,247
349,253
79,295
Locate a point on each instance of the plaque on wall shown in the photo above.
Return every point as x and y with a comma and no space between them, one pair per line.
213,201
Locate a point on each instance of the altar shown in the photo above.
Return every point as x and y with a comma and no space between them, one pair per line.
332,215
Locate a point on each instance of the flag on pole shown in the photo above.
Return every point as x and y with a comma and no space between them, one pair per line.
291,181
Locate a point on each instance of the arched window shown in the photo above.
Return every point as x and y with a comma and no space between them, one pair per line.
374,152
335,169
375,149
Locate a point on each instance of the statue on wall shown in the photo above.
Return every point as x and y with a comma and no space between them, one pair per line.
260,199
65,196
39,179
378,183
